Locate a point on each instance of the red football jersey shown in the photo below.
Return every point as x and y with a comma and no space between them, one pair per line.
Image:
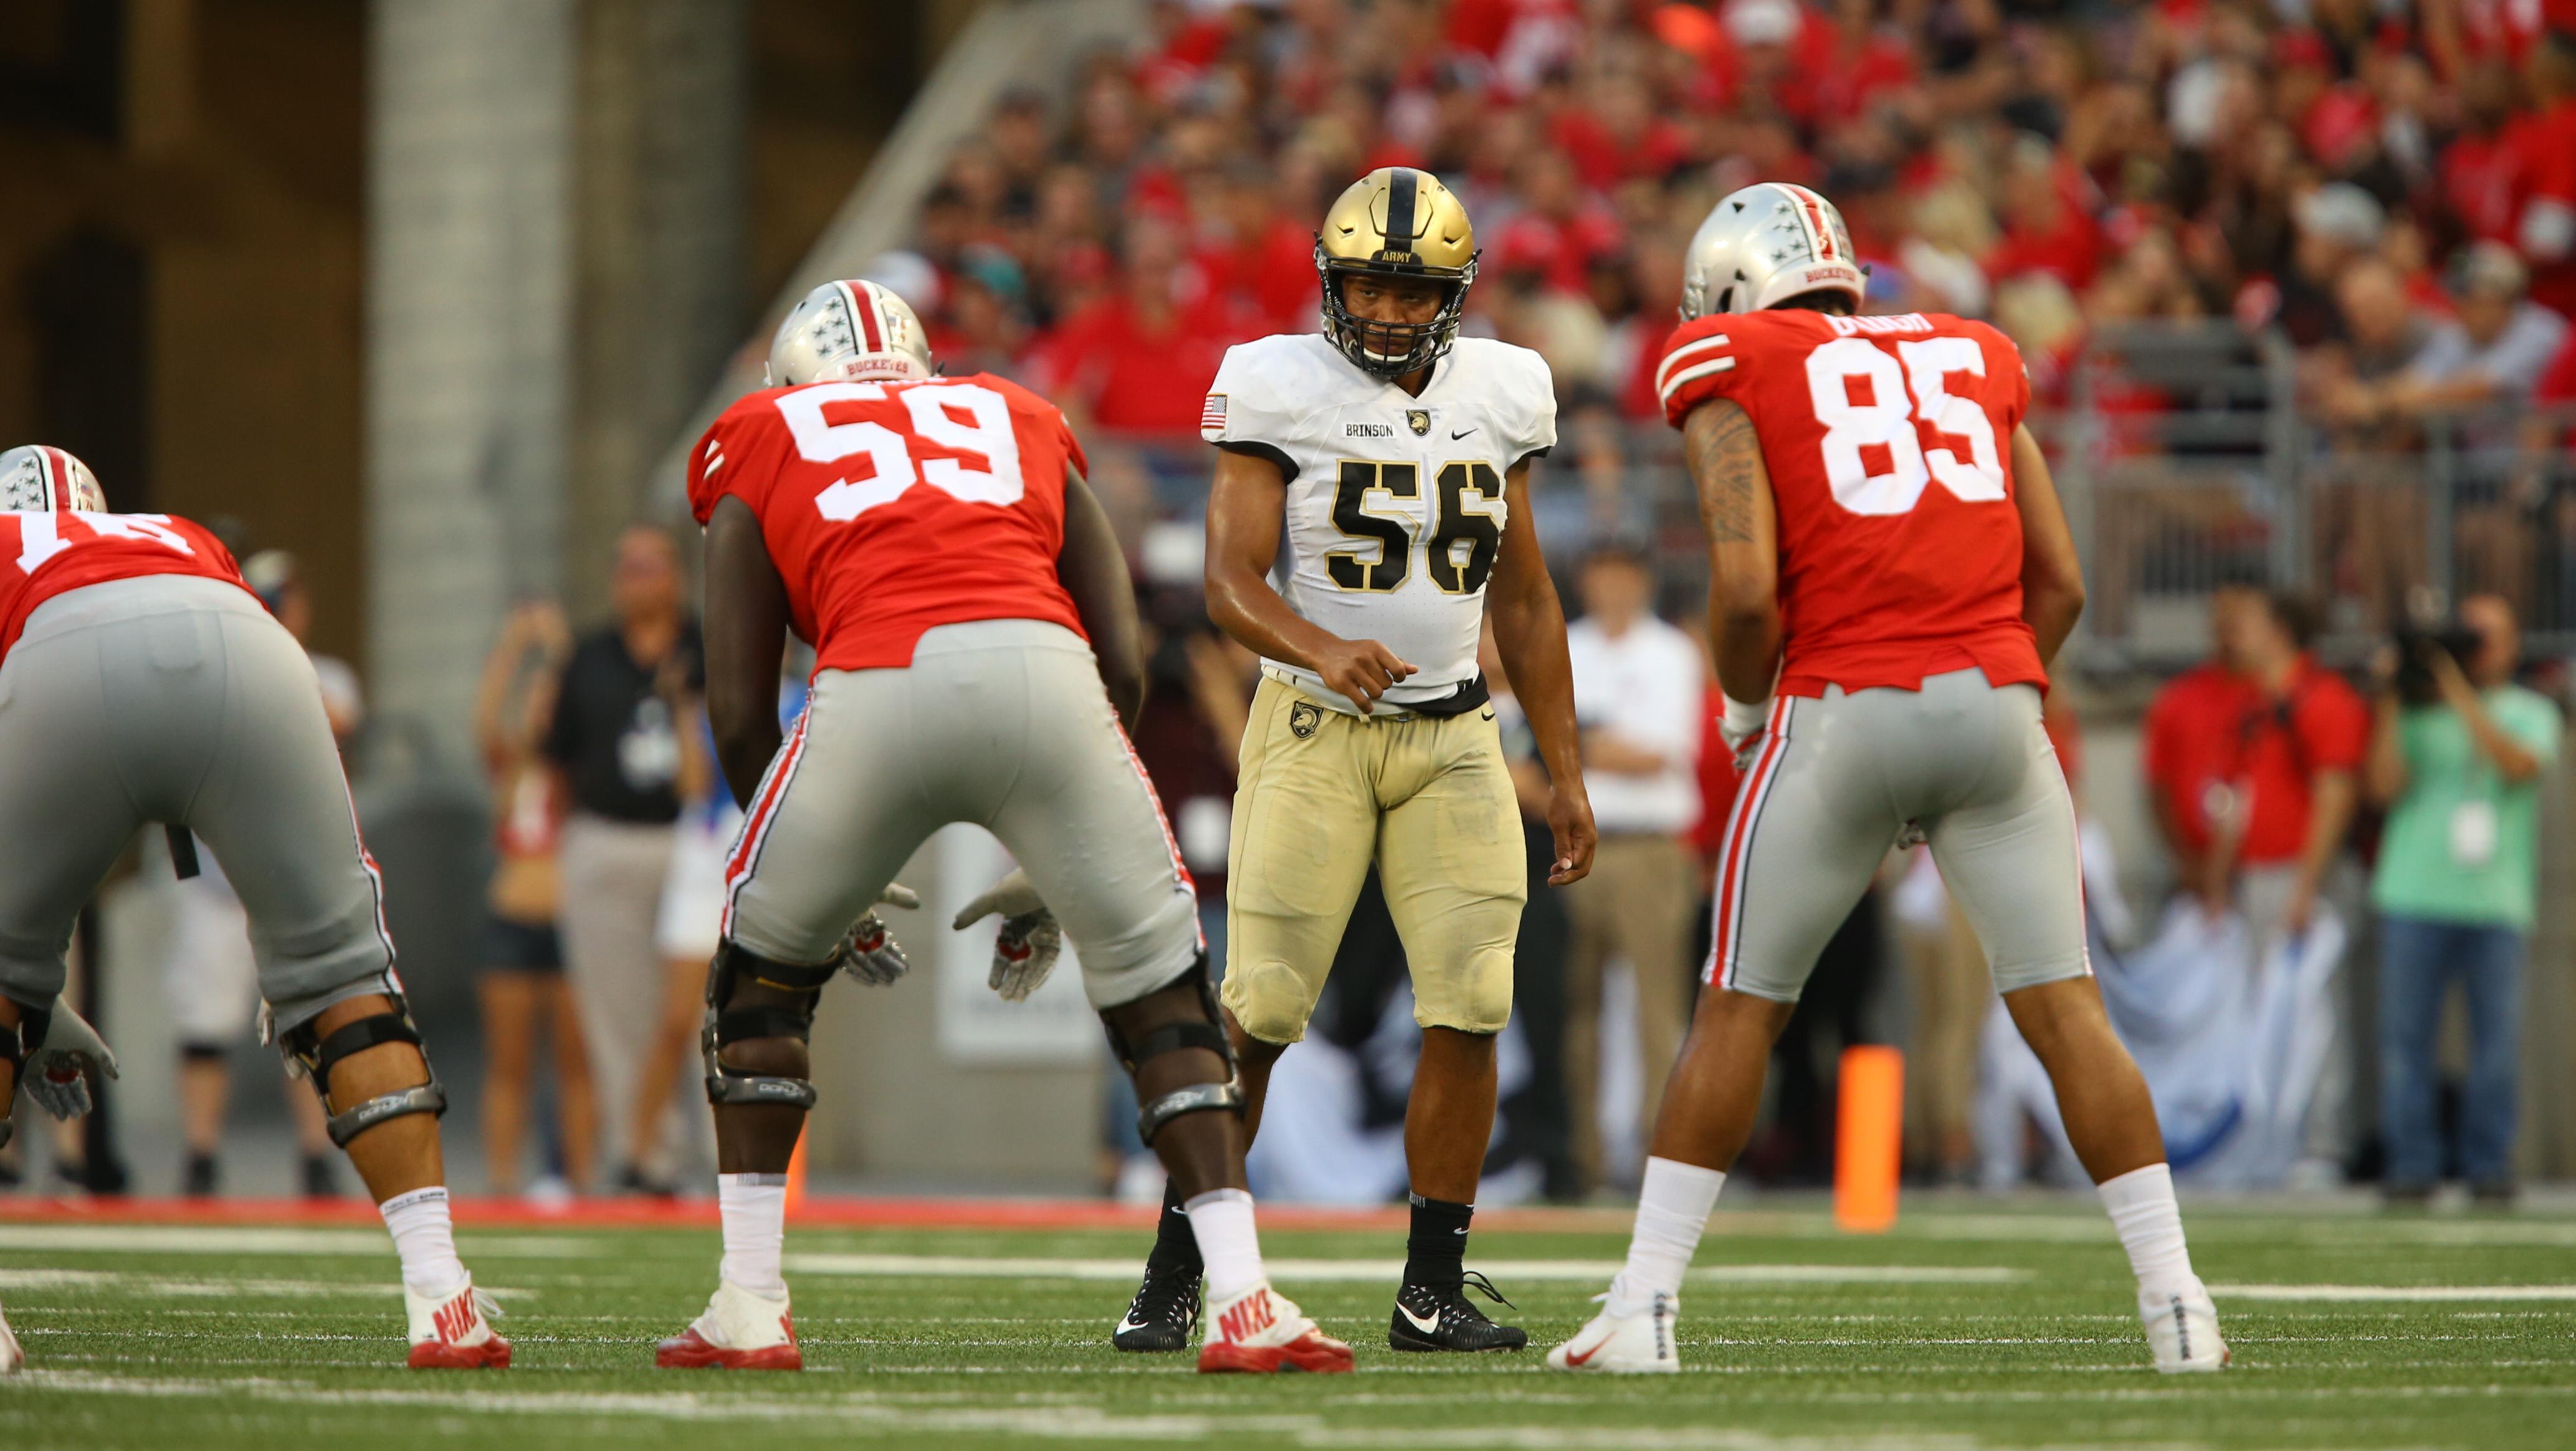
892,508
1889,444
52,552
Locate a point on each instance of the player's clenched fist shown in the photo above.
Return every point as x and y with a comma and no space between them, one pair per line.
1360,669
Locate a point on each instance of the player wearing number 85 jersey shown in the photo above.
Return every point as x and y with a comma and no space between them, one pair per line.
1887,554
976,655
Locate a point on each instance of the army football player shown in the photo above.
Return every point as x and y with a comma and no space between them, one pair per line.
1395,455
976,659
145,683
1890,574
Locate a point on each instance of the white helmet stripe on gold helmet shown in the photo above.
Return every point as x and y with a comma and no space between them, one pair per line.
37,478
849,331
1765,244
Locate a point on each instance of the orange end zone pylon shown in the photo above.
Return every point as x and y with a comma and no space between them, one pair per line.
1868,1139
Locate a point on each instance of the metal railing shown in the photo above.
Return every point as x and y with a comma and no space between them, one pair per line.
2186,463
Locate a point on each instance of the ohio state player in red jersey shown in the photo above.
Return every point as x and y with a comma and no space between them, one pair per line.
145,683
976,654
1890,573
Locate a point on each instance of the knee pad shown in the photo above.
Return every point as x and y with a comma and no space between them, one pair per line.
1175,1037
312,1055
727,1024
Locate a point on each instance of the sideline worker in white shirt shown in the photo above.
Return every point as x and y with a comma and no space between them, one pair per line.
1638,693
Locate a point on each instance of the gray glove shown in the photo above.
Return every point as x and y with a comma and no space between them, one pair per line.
875,958
56,1075
1030,940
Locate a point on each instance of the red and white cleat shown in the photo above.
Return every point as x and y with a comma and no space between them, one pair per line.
12,1359
1260,1331
454,1331
740,1331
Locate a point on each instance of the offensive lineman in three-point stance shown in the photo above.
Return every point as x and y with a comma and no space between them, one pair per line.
142,681
976,652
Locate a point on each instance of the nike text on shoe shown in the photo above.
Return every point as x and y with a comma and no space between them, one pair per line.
1260,1331
2182,1329
1164,1312
739,1331
1639,1344
453,1331
1439,1317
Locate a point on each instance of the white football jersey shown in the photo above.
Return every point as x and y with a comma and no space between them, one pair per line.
1395,503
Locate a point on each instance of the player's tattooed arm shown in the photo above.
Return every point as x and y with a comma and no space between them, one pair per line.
1724,456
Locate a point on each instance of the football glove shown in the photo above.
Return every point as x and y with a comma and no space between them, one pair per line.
874,957
1740,727
1030,940
57,1072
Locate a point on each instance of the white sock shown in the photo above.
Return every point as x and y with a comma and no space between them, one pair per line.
1221,1221
1672,1209
754,1207
2142,1208
426,1241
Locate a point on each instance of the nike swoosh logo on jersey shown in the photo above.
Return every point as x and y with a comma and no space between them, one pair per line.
1453,438
1427,1327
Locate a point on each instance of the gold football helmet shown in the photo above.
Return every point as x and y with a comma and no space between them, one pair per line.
1396,222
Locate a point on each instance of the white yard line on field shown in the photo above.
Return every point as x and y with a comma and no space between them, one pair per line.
1358,1271
252,1239
2394,1292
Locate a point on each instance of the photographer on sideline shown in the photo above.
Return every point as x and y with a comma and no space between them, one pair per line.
2456,759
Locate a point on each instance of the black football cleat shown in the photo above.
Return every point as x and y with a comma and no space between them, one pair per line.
1437,1317
1164,1312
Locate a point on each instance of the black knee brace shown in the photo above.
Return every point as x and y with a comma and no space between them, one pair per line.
316,1056
1172,1038
727,1024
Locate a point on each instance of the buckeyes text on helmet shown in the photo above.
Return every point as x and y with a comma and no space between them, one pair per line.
849,332
1764,245
1396,221
36,478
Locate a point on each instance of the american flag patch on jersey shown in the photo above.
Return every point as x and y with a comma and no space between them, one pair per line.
1212,417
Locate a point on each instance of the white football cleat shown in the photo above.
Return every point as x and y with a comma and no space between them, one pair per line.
739,1331
1260,1331
453,1331
1639,1344
2183,1331
12,1359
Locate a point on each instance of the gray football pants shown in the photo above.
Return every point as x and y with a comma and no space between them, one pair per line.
1002,723
171,698
1836,779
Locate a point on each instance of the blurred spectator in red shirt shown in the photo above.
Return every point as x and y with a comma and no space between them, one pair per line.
1262,260
2045,227
2251,761
2543,143
1140,359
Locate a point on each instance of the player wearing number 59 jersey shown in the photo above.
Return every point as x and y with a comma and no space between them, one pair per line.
976,653
1889,574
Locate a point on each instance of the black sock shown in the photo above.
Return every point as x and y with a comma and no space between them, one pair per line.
1174,1243
1436,1252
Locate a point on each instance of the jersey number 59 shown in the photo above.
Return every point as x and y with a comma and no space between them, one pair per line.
988,434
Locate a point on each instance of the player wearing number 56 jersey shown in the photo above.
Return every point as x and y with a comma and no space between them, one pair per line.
976,657
1890,573
1391,458
141,681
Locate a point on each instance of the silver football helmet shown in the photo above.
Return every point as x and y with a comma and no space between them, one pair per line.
37,478
847,332
1764,245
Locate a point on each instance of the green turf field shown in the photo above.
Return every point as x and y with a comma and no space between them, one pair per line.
1966,1328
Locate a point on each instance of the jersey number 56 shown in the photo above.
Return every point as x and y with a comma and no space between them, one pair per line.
1459,553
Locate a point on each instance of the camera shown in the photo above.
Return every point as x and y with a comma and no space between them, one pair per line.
2415,650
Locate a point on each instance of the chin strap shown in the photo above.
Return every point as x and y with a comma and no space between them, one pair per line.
315,1055
1177,1037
